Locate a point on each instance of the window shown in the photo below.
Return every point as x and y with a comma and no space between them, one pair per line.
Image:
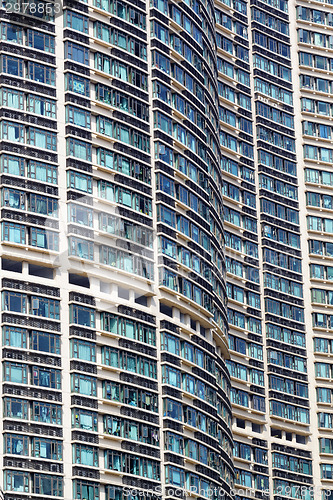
15,408
124,11
77,84
174,442
163,122
15,337
80,215
46,377
84,419
131,396
12,65
77,53
160,32
12,33
41,106
46,448
80,182
170,343
168,247
81,315
44,484
85,490
173,409
15,372
12,165
171,376
40,11
42,172
48,308
16,481
83,350
85,455
326,471
16,444
15,302
12,98
76,21
130,362
12,131
126,261
323,370
43,205
44,239
128,328
40,41
161,62
47,413
161,5
166,215
168,279
78,116
41,73
138,466
78,149
174,475
84,385
105,126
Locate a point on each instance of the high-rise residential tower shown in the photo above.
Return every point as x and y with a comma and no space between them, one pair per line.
114,320
150,349
280,342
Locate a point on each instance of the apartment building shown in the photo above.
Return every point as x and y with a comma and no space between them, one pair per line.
149,348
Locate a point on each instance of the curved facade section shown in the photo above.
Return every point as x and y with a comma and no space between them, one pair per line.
190,238
240,193
113,293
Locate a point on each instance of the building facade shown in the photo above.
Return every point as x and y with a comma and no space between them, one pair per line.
278,309
149,348
113,269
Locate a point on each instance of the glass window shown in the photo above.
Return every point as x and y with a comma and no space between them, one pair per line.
15,372
40,41
85,455
82,349
16,444
77,53
15,337
170,343
41,73
76,21
47,413
84,419
83,384
80,182
12,33
16,481
12,98
82,315
78,116
77,84
85,490
48,485
79,149
16,408
46,377
40,306
12,65
46,448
